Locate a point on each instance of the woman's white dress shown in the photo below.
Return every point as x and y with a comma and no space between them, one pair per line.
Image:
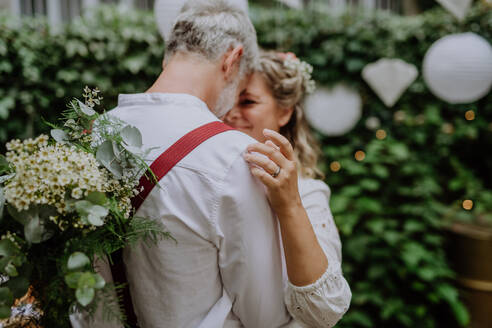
324,302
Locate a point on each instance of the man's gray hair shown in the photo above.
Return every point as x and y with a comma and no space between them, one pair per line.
212,27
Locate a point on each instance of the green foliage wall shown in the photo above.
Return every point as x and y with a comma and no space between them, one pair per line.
389,207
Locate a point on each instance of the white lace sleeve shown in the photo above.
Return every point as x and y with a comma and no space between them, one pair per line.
324,302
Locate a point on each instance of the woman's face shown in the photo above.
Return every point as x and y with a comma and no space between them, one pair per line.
257,110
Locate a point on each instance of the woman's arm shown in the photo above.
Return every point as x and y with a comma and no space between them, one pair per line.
317,294
305,260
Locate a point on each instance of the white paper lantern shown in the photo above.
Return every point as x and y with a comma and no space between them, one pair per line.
166,12
297,4
458,68
389,78
458,8
334,111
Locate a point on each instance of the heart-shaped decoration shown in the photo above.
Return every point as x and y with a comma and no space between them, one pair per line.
389,78
458,8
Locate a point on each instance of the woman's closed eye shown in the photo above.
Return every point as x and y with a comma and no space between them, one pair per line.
247,102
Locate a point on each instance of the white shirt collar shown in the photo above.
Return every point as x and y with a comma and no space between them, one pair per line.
161,99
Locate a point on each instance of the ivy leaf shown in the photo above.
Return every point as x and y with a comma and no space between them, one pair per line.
72,279
60,136
105,155
86,110
85,295
131,136
77,261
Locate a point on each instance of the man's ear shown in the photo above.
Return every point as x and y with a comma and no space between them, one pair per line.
230,63
284,115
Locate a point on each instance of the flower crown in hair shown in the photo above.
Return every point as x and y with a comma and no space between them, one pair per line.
292,62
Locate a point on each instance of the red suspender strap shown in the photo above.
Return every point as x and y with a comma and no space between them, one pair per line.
160,167
167,160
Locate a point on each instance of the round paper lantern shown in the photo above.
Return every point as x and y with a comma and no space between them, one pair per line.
335,111
166,12
458,68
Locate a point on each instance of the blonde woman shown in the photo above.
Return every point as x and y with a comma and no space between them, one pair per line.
284,160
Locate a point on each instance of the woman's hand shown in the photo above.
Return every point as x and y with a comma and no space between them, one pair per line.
304,257
277,170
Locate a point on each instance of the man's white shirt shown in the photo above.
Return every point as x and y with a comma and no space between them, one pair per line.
225,269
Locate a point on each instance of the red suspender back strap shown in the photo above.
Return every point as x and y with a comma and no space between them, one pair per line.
160,167
167,160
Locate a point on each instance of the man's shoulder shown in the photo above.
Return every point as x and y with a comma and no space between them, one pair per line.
218,154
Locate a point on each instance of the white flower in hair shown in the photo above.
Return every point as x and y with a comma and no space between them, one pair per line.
305,69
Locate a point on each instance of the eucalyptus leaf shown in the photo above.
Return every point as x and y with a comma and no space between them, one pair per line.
6,297
18,285
11,270
60,136
85,295
100,282
97,197
131,136
5,312
87,280
83,207
34,231
72,279
99,211
4,164
23,217
2,202
116,150
105,155
86,110
6,177
95,220
7,248
45,211
77,261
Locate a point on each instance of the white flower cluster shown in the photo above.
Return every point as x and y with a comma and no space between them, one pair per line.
305,69
56,174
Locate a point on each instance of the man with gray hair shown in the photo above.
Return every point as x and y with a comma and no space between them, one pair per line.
225,269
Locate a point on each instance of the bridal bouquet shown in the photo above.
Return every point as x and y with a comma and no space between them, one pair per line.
64,202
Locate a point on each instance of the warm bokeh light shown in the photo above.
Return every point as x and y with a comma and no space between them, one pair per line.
381,134
448,128
360,155
470,115
335,166
468,204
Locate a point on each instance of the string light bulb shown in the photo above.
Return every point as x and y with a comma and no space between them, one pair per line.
360,155
335,166
467,204
470,115
381,134
447,128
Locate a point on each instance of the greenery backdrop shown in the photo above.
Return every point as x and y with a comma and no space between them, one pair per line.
389,207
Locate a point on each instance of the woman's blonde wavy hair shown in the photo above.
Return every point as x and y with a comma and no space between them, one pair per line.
288,88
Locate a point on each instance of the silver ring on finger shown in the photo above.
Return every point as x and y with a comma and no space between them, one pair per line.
277,172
